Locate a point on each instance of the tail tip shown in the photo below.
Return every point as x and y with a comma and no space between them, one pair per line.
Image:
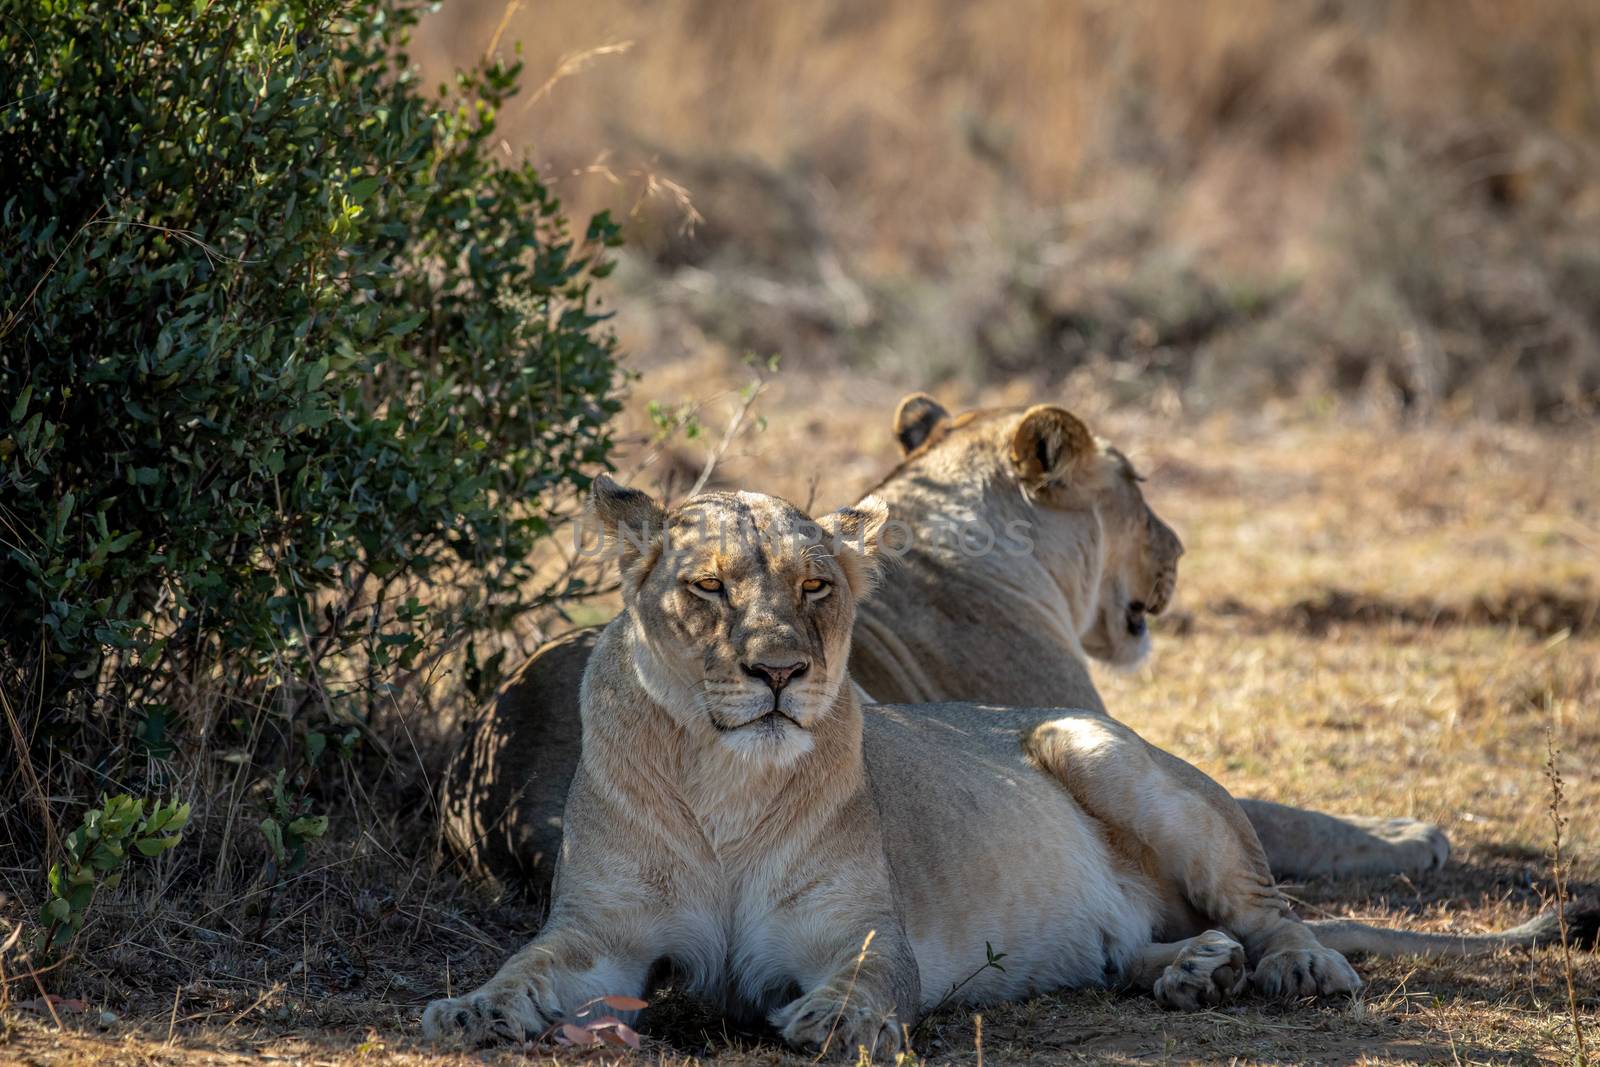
1582,923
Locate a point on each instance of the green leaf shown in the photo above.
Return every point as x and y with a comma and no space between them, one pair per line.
20,407
58,910
154,846
309,827
407,324
362,189
120,542
274,835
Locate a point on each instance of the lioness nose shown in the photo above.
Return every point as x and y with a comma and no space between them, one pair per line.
776,677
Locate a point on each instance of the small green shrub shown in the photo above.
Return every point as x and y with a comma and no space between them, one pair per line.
289,826
294,373
95,854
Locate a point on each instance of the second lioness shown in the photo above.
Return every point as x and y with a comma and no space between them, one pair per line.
967,617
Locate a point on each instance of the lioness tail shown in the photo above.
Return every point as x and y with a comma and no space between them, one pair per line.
1348,936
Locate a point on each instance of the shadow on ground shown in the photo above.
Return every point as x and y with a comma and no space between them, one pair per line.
1544,612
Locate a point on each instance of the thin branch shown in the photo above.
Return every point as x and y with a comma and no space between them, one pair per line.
499,31
16,315
35,789
1558,869
571,64
746,403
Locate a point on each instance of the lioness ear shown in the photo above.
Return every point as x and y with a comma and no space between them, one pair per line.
1048,443
854,534
915,419
630,521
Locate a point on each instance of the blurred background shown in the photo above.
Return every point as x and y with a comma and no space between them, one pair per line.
1178,206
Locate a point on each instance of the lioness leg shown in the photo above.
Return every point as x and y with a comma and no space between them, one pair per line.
854,1007
1188,832
1309,844
859,980
563,969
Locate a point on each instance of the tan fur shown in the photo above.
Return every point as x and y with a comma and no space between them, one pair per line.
1016,629
1011,627
839,869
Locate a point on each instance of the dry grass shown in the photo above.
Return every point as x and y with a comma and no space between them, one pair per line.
1229,198
1378,713
918,114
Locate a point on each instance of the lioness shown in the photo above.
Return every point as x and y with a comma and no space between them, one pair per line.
967,618
737,814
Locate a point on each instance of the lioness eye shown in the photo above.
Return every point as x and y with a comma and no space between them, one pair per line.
709,585
814,587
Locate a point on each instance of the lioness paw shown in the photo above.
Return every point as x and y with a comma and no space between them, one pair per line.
821,1021
1396,846
1305,972
1419,847
498,1012
1211,969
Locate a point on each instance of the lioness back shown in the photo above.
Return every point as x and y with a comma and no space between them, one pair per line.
506,787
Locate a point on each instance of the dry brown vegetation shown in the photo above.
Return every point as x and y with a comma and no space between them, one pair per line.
1227,199
1251,242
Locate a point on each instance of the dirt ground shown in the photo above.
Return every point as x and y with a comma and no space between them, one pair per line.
1369,620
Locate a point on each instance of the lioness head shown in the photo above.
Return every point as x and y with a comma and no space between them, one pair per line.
741,607
1048,455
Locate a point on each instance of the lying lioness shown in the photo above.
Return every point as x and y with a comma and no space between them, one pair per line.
738,816
966,618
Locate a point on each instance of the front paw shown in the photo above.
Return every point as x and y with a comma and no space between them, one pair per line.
1210,969
500,1011
822,1021
1305,972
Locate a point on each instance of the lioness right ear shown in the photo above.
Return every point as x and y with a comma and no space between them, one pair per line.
630,521
1048,443
915,420
855,535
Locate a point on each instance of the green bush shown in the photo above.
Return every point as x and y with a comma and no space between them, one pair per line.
95,854
294,371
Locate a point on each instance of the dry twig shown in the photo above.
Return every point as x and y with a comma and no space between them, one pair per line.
1559,874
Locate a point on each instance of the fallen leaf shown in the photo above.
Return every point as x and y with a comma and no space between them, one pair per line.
624,1003
575,1035
621,1034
